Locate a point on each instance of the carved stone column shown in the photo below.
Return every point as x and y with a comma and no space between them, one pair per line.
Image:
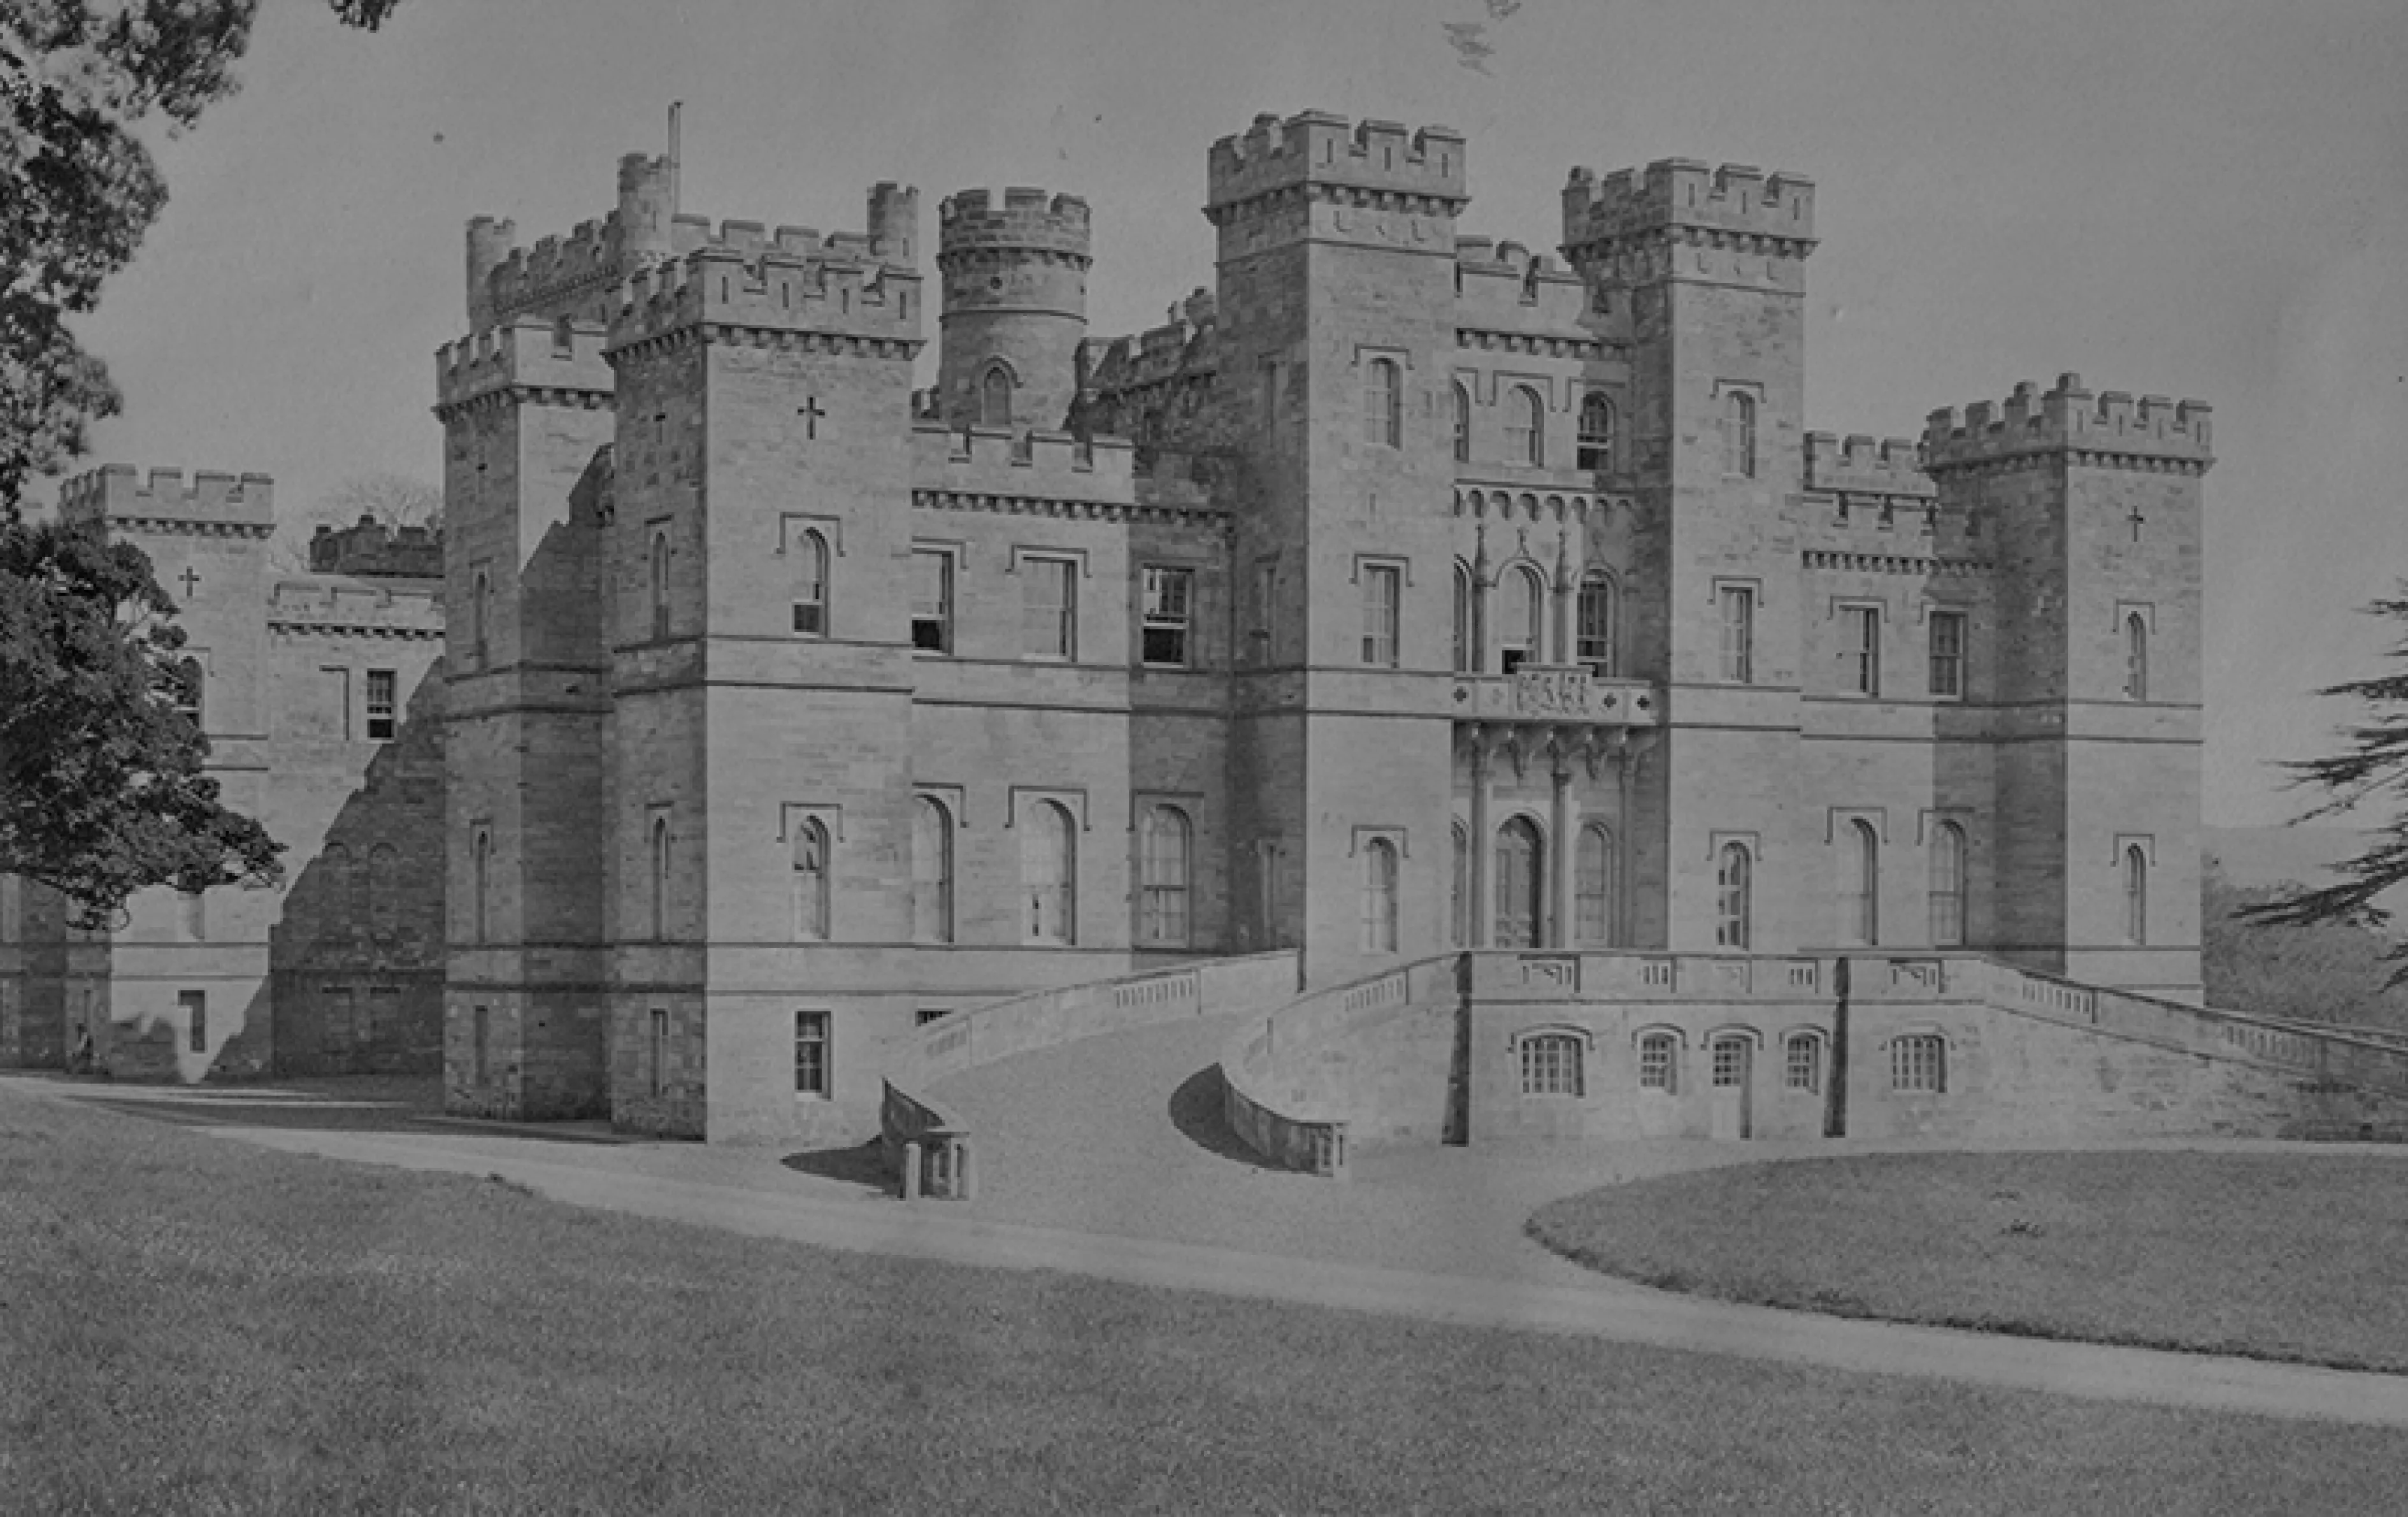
1567,572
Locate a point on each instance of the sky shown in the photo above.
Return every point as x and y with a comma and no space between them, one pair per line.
2202,198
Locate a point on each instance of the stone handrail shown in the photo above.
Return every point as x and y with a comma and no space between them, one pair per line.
926,1146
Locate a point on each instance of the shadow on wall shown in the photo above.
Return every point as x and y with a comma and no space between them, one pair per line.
355,961
1198,1109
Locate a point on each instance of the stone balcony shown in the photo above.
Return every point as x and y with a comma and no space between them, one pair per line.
1558,693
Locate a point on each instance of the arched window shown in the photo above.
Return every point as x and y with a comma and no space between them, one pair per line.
994,397
1659,1063
1732,906
1163,839
1595,432
1465,657
1551,1064
1049,874
810,571
1383,404
1462,425
2136,895
1459,895
1593,618
1948,886
1520,619
481,884
193,916
1859,884
2136,658
190,680
1739,434
1593,886
659,878
384,888
1379,896
1525,433
660,584
810,880
932,872
1521,889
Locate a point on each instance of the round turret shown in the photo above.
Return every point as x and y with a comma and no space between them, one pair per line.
1015,307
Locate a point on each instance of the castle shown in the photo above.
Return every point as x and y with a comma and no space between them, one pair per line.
1408,591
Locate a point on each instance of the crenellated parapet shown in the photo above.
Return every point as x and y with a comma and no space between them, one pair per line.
769,288
972,224
2109,429
340,606
1317,155
528,360
213,504
1502,286
1004,462
1685,202
1859,464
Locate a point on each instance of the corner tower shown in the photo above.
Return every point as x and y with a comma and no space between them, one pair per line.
1014,279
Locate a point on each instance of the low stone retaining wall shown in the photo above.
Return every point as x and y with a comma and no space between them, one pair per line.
926,1147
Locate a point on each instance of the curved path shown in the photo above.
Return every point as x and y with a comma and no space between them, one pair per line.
1109,1158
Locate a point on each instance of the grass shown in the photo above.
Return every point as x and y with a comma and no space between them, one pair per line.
188,1324
2274,1256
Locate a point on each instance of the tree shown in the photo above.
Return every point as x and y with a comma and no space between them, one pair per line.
2372,770
104,791
396,500
2317,971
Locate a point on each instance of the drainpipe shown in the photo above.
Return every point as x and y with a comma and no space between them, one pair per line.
1835,1109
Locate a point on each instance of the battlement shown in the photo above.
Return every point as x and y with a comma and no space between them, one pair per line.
969,221
838,289
2068,416
343,604
527,353
1501,284
1183,344
370,550
1736,198
997,461
118,492
1318,148
1861,465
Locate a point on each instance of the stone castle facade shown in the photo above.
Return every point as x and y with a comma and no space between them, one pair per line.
1408,591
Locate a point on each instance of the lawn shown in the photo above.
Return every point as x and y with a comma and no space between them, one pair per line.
188,1324
2277,1256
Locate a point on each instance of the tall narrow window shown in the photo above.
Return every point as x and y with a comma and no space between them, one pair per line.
1382,403
1379,896
809,551
1859,884
1380,593
660,583
1947,885
190,680
480,864
1520,618
1948,654
932,601
1593,886
932,872
1525,432
2136,658
1739,434
1659,1066
659,878
1049,874
1462,425
1167,591
1732,890
660,1059
1466,658
480,616
1459,896
1739,634
1163,838
1049,607
195,1004
1520,883
193,916
995,397
383,688
1595,432
1266,609
1593,618
810,880
481,1037
1802,1063
1860,652
811,1061
2136,895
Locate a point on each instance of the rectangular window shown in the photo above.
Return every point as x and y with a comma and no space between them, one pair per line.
1382,584
479,1029
1551,1064
1739,634
1655,1064
932,601
1730,1063
1948,654
1919,1063
1049,607
1860,658
1265,608
382,688
934,1013
195,1006
337,694
660,1059
1167,594
811,1053
1804,1065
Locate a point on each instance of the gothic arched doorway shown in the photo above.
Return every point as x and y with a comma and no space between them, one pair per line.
1520,883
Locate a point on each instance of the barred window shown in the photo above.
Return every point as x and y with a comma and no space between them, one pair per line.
1658,1069
811,1053
1802,1063
1948,654
1551,1065
1730,1062
1919,1063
